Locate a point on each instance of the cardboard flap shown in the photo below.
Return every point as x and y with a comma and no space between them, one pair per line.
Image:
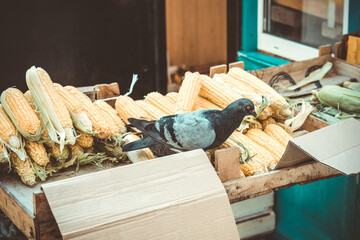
174,197
337,146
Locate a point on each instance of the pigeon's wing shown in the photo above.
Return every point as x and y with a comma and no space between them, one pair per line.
187,131
148,128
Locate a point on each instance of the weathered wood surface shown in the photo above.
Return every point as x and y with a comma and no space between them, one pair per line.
227,164
325,50
257,225
16,212
239,64
218,69
108,91
244,188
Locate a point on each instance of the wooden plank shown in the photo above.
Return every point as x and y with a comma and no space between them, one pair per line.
241,189
312,123
325,50
342,67
257,226
17,214
218,69
49,231
227,164
42,209
108,91
336,49
199,37
295,69
353,52
239,64
253,205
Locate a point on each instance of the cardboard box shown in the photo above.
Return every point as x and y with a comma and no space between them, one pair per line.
172,197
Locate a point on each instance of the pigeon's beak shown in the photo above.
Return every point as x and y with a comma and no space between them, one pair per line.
253,113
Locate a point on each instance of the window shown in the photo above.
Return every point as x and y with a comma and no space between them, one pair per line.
294,29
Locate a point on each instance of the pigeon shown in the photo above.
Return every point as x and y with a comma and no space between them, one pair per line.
205,128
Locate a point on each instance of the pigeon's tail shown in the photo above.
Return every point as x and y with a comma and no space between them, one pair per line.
139,144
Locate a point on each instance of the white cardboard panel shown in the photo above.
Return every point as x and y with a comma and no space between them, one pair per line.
173,197
337,146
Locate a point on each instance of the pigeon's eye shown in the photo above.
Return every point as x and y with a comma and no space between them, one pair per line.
248,107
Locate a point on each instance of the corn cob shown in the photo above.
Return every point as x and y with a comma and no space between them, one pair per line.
2,155
37,152
76,109
106,109
84,140
267,142
262,154
202,103
172,96
216,92
252,167
258,86
8,132
23,169
127,108
101,125
21,113
278,133
161,102
188,92
268,121
45,137
138,155
154,112
51,107
243,90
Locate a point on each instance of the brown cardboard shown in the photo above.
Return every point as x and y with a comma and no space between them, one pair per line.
173,197
337,146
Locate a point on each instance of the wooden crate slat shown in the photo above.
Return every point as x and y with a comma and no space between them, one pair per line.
244,188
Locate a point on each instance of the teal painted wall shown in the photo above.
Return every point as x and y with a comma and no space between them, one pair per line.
327,209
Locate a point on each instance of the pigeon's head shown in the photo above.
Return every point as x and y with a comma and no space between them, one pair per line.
242,106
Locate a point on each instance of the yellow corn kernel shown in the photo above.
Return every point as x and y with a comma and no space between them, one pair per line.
37,152
161,102
188,92
278,133
172,96
45,135
262,154
8,132
70,101
266,141
23,114
216,92
252,167
84,140
57,102
23,169
202,103
154,112
100,124
258,86
126,107
111,113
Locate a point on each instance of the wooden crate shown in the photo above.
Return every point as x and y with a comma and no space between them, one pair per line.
28,208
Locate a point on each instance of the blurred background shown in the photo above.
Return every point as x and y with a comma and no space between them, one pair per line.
84,43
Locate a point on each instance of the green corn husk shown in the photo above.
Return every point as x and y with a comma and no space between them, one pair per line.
352,85
111,148
344,99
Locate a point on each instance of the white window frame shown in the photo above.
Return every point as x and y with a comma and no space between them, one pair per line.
286,48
